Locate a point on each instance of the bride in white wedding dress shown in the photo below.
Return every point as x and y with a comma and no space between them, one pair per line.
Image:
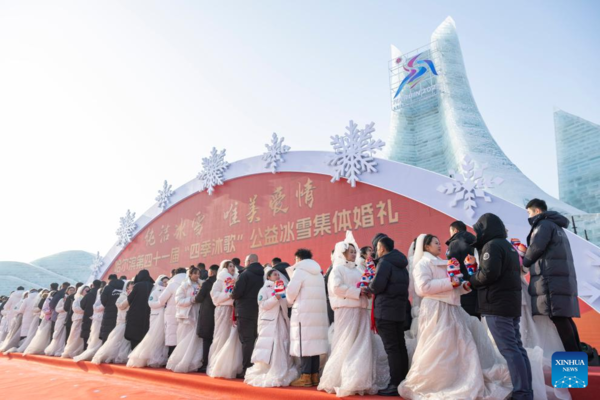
454,357
273,365
358,363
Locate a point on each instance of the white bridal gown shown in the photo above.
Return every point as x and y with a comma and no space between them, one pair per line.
152,352
43,335
59,337
187,356
33,326
116,349
273,365
225,355
74,346
14,326
454,357
94,342
358,363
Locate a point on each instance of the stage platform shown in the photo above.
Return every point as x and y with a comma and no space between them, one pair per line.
23,377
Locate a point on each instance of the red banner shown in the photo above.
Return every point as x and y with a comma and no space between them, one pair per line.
273,216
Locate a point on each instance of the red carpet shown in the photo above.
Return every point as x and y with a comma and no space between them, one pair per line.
43,377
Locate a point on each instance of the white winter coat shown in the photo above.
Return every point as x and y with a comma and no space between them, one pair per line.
309,323
167,300
217,293
154,302
27,307
98,308
11,307
432,282
77,310
184,298
35,311
343,292
269,310
122,307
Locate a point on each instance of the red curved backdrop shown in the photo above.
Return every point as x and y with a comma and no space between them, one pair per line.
274,215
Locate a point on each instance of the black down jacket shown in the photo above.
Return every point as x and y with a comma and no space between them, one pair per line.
245,292
460,245
87,305
109,297
138,315
206,320
498,277
553,284
390,286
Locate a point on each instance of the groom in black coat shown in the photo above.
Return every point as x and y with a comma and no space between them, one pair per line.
245,294
390,287
138,315
498,280
109,297
87,305
206,320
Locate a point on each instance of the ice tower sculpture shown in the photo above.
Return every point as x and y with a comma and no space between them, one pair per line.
578,165
436,122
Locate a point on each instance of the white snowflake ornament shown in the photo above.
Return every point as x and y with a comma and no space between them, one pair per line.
213,168
164,196
354,153
274,153
469,186
126,228
96,266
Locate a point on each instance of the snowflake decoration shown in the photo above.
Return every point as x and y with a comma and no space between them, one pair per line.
354,153
126,228
164,196
96,265
469,186
213,168
274,153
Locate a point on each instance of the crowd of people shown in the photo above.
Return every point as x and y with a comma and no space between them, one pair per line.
469,326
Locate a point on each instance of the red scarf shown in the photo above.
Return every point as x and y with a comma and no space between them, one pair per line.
373,325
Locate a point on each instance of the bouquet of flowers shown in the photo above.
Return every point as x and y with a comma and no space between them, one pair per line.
229,283
368,275
279,289
471,264
519,247
453,271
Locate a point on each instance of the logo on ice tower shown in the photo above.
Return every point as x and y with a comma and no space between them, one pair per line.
417,71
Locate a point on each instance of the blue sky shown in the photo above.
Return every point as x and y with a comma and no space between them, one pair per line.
102,101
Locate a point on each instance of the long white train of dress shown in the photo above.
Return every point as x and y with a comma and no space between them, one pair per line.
358,363
3,328
116,349
282,370
35,322
151,352
187,356
454,358
59,338
95,342
225,355
42,338
14,333
74,346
